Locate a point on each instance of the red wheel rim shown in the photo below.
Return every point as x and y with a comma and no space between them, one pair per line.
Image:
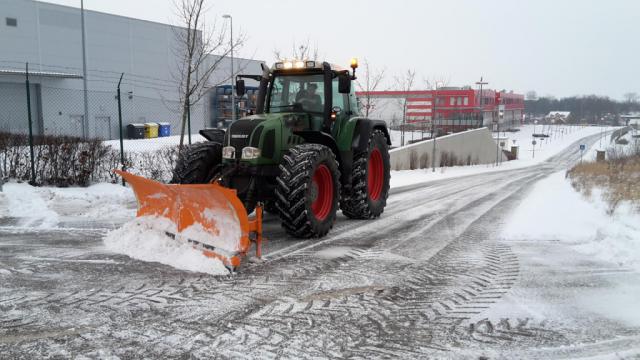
323,186
375,177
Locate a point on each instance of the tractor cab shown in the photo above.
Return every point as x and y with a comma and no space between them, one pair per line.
311,95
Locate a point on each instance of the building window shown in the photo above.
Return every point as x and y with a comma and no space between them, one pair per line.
459,100
12,22
452,101
466,101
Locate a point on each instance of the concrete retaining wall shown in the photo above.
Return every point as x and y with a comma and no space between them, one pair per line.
466,148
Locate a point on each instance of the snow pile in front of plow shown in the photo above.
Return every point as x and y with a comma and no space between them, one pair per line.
145,239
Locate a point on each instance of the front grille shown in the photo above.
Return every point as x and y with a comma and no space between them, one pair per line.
242,130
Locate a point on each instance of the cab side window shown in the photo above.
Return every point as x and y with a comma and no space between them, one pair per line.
339,100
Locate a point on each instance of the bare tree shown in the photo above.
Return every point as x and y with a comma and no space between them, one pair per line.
405,82
369,80
631,97
531,95
436,81
201,48
302,51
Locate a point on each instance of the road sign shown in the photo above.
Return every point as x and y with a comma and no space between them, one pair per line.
582,147
501,107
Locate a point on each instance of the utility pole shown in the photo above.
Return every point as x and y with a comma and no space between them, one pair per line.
480,98
433,128
120,125
28,87
85,122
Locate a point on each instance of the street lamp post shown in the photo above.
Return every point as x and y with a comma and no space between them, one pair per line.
85,122
233,95
433,128
404,121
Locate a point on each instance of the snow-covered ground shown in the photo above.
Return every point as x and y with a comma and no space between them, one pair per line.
436,276
149,145
529,154
554,210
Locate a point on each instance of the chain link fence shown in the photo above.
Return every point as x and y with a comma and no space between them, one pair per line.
51,135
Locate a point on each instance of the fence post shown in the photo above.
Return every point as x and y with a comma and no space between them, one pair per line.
33,169
120,125
189,121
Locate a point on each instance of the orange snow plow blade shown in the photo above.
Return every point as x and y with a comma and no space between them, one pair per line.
209,216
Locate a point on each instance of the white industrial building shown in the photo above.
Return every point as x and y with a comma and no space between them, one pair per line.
49,38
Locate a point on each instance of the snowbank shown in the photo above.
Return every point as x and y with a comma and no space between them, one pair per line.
45,207
145,239
555,211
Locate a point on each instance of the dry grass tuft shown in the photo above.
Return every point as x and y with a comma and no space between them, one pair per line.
618,177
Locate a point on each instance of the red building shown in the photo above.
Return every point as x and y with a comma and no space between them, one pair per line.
453,108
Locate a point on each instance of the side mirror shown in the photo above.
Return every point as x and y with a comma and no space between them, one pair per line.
240,89
344,84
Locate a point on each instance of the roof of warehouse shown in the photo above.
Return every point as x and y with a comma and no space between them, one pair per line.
50,74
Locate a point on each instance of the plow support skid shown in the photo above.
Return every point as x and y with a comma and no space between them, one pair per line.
209,216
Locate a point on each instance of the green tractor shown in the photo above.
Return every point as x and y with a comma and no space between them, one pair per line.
304,154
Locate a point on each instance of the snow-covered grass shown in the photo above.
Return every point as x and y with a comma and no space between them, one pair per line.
529,154
145,239
553,210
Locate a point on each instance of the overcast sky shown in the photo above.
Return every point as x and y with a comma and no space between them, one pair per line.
563,48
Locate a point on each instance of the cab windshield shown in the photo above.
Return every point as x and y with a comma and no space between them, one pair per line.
299,93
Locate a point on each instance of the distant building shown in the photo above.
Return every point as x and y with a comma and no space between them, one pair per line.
49,37
453,108
555,117
631,119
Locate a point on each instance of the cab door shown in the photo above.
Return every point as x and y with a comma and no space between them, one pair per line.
341,103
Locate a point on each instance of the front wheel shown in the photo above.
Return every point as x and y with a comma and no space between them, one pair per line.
370,178
198,163
307,190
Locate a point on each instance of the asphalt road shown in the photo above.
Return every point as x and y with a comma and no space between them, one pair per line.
430,278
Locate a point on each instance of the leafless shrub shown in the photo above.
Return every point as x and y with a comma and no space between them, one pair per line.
58,160
424,161
69,161
448,159
413,160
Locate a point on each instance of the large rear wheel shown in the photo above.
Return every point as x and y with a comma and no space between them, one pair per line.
370,177
198,163
307,190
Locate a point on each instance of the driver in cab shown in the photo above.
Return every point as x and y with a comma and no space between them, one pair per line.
310,100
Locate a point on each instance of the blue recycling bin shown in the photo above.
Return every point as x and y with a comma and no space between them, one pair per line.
164,129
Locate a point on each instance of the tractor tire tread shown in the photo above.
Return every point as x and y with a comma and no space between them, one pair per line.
197,163
354,202
291,189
